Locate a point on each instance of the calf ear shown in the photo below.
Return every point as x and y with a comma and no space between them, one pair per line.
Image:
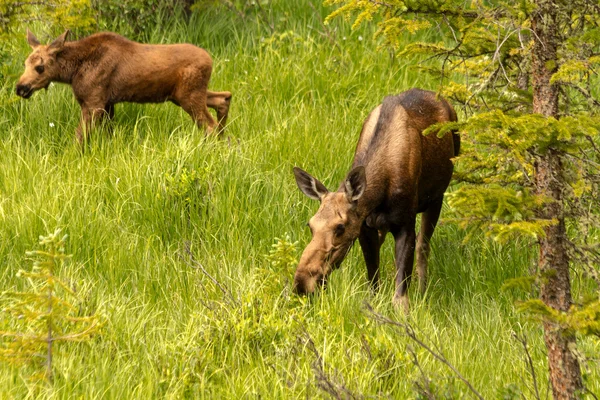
58,44
32,40
309,185
355,184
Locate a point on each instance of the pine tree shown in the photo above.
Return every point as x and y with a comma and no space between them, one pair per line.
523,73
43,315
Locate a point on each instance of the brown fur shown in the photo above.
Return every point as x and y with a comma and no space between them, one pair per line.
396,174
105,69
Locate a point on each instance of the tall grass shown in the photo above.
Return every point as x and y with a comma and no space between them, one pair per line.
148,252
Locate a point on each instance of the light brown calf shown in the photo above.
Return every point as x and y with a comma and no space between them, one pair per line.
396,174
105,69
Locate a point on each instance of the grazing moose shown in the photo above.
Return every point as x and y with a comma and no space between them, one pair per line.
396,174
105,69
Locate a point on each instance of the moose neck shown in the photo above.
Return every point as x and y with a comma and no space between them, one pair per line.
69,60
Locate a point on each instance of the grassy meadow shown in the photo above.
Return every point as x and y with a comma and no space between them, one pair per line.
156,213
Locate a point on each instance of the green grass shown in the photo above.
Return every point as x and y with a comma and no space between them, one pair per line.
299,98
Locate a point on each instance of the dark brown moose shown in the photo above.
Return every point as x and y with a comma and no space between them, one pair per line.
105,69
397,173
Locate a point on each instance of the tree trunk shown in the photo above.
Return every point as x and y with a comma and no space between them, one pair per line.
565,374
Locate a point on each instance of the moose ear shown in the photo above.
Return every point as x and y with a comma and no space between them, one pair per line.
58,44
32,40
309,185
355,184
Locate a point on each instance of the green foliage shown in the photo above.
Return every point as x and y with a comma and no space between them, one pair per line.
134,18
43,316
171,332
510,392
484,52
186,187
57,15
524,283
15,15
584,319
282,256
482,56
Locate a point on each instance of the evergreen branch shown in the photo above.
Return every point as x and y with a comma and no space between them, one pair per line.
584,92
410,332
496,13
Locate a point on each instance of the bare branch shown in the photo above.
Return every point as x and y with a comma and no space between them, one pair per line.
324,381
196,265
409,331
528,362
233,8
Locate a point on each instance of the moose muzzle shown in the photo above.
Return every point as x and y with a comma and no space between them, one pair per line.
24,91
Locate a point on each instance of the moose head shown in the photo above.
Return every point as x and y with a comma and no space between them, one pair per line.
41,66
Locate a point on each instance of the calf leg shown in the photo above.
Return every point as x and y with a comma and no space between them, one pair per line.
219,101
370,242
191,96
90,116
405,254
110,110
195,105
429,220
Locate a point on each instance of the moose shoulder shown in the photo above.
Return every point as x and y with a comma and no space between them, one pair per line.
105,69
397,173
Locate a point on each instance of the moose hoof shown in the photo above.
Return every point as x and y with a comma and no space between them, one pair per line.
401,302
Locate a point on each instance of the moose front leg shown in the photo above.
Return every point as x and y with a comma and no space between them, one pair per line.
89,119
370,240
405,255
109,109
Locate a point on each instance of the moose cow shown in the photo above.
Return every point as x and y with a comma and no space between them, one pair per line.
105,69
397,173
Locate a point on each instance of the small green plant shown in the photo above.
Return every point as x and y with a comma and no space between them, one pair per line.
183,186
283,253
42,315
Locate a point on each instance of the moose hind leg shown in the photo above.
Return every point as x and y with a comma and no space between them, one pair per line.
405,256
195,106
219,101
429,220
191,96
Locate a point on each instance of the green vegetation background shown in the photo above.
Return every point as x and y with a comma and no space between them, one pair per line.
153,208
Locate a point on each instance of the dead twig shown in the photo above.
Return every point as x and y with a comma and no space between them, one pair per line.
324,381
410,332
528,362
196,265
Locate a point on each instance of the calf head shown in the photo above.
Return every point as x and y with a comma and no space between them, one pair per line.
41,67
334,227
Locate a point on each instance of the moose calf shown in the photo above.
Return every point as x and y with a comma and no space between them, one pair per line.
105,69
396,174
